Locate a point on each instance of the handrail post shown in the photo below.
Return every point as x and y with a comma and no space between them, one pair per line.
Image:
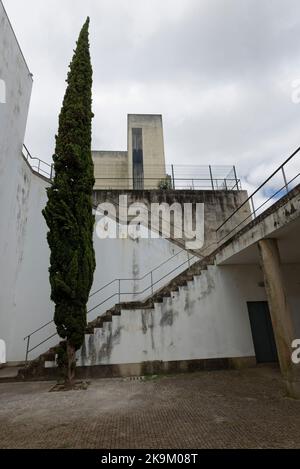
236,179
173,176
27,349
119,291
285,180
253,207
151,275
211,178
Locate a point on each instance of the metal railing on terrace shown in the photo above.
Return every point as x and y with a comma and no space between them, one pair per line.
276,186
175,177
37,165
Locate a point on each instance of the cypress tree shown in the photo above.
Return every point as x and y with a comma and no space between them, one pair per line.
68,212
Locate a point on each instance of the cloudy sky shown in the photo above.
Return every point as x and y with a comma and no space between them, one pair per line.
221,72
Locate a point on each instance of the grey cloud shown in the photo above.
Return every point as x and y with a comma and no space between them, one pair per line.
219,71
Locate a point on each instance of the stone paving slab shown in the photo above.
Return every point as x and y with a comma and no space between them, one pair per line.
220,409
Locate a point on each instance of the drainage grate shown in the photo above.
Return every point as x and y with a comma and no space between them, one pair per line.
135,378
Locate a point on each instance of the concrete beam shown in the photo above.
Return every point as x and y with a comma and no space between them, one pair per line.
280,314
266,225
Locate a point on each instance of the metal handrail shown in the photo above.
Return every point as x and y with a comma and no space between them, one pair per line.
119,293
215,184
28,157
142,291
254,209
113,281
141,278
39,329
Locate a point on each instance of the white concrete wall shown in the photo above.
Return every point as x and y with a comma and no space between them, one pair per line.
32,307
13,116
133,259
207,319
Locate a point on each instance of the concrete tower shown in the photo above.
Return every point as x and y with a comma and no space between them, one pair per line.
142,166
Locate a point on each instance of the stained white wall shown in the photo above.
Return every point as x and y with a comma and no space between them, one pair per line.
207,319
13,116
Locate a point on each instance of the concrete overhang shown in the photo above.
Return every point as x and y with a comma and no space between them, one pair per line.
281,221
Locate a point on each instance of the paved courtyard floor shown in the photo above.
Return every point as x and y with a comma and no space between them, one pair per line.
223,409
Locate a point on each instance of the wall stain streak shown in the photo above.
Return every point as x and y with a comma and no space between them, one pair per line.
148,324
210,286
112,339
168,316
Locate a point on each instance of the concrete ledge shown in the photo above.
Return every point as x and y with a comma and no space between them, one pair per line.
242,362
293,389
266,225
149,368
13,364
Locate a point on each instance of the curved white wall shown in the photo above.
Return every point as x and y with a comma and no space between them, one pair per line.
13,116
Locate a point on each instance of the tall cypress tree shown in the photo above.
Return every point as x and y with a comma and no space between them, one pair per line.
69,209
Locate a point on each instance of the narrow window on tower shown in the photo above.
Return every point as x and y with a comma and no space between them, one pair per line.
137,159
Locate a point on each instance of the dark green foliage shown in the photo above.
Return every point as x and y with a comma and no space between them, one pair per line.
69,209
165,184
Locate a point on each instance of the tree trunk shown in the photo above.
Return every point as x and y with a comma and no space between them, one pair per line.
71,354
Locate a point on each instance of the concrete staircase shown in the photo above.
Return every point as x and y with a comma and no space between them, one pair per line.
44,367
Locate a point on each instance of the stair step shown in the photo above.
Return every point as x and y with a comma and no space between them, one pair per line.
50,364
